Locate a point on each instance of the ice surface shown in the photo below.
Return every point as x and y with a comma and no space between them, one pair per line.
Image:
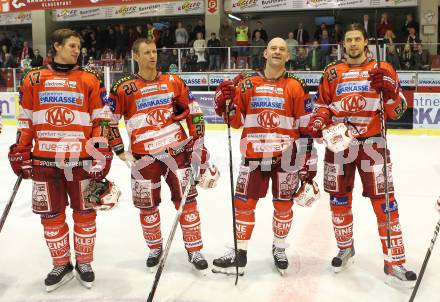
120,250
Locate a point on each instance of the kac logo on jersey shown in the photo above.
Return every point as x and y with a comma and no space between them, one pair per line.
268,119
353,103
355,86
59,116
158,117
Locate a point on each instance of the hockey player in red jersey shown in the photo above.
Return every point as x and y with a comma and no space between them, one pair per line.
153,105
62,119
273,108
349,94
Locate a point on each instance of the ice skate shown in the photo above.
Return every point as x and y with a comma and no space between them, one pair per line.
343,260
153,259
398,276
85,274
198,261
59,275
280,259
226,264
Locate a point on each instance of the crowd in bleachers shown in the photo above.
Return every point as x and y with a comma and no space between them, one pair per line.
235,46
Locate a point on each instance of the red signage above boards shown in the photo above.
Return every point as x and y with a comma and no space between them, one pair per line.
27,5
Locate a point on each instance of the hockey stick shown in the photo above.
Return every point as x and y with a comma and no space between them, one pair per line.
425,262
11,200
161,265
383,134
231,178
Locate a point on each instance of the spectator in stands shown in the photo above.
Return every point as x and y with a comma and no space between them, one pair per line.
315,58
226,32
409,23
242,41
389,37
174,60
167,38
369,28
181,35
93,41
17,44
4,50
5,41
301,60
319,30
133,35
101,41
140,32
337,34
392,57
301,35
26,51
37,61
199,28
10,61
257,49
422,59
325,41
192,35
122,38
227,43
292,44
412,38
111,39
190,62
200,51
263,32
214,52
49,58
383,25
83,58
407,58
163,60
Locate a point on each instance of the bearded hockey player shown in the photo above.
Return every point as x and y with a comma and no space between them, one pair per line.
273,109
62,119
153,105
349,94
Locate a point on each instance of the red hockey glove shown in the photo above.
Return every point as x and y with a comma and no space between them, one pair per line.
180,111
225,92
382,80
317,122
20,159
308,171
101,167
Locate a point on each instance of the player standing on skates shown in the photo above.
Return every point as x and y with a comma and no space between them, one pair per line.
273,108
349,94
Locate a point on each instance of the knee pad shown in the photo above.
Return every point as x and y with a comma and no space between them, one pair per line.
340,203
379,206
53,218
148,211
84,216
282,206
245,205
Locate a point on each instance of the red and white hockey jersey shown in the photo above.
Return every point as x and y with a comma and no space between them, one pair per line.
273,113
61,111
147,107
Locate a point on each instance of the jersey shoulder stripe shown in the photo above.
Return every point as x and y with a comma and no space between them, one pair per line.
302,83
95,73
121,81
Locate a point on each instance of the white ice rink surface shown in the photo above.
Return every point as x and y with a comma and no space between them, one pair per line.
120,250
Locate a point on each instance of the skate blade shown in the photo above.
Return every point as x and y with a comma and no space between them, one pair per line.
344,267
397,283
228,271
86,284
153,269
281,271
67,277
201,272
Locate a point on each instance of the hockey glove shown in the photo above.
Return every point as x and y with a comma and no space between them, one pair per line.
180,111
20,159
382,80
101,167
224,93
308,171
317,122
